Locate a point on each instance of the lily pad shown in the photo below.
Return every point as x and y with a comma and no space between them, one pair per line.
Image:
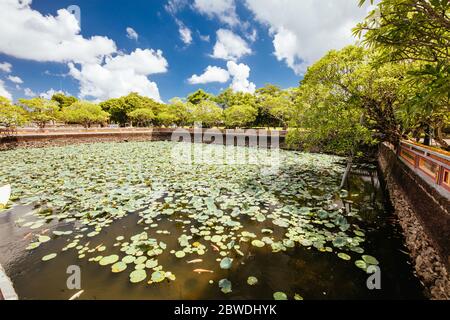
226,263
280,296
49,257
252,280
118,267
225,286
138,276
109,260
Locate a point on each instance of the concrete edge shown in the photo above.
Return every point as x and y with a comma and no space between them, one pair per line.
7,291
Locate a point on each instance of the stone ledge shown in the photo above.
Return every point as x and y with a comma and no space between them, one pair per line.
7,291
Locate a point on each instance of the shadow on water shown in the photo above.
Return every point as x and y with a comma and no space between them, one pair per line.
308,272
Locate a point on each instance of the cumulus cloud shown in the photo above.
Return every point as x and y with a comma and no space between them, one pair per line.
27,34
211,74
3,92
230,46
224,10
303,31
121,75
132,34
15,79
240,73
49,93
28,92
6,67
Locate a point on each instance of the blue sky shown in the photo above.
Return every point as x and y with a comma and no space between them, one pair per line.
247,44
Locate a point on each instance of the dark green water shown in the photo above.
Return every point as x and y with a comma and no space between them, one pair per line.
301,270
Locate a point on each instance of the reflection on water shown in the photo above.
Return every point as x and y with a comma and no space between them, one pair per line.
302,270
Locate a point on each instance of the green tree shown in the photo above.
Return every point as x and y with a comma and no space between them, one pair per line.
63,100
344,98
208,113
240,116
11,116
119,108
416,32
41,111
142,116
84,113
199,96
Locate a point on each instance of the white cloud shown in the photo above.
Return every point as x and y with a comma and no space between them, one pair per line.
6,67
27,34
121,75
224,10
303,31
173,6
28,92
132,34
230,46
205,38
48,94
211,74
240,73
15,79
4,92
185,33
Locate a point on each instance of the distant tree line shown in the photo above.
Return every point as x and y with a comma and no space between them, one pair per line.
269,106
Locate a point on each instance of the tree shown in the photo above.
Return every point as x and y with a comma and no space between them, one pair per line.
120,108
416,32
343,98
142,116
63,100
229,98
208,113
41,111
240,115
84,113
199,96
11,116
182,110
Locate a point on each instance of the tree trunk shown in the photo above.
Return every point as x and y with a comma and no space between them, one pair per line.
427,139
440,139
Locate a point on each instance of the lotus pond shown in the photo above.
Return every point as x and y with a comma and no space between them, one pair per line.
141,225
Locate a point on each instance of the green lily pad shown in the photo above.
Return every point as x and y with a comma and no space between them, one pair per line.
370,260
280,296
138,276
344,256
109,260
49,257
252,280
158,276
258,243
118,267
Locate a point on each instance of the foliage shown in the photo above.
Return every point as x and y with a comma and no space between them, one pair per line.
199,96
120,108
41,111
63,100
416,32
208,113
142,116
84,113
240,116
10,115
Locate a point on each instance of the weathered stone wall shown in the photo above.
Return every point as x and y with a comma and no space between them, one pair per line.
61,139
424,216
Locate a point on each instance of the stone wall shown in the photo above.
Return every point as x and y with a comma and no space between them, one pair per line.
60,139
424,216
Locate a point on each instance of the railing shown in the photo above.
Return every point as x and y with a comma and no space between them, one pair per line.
432,165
